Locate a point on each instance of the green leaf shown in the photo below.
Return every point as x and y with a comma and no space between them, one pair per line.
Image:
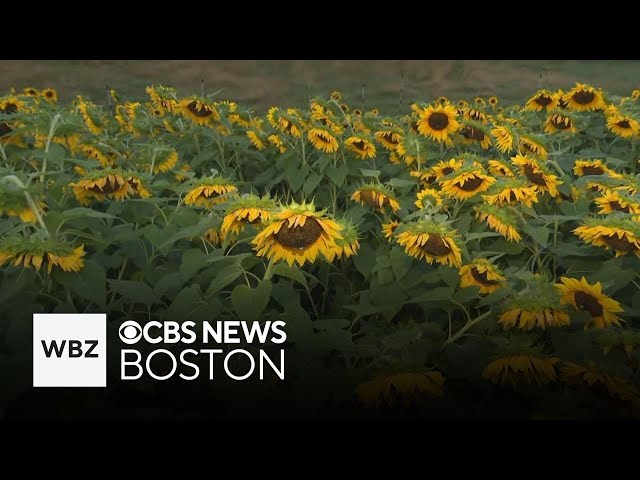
401,183
437,294
365,260
400,262
539,234
80,212
370,173
337,174
311,183
223,278
192,261
495,297
89,283
137,292
292,272
187,305
249,303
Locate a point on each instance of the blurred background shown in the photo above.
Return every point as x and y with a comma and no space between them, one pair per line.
263,83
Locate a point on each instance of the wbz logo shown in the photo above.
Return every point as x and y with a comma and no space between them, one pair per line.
69,350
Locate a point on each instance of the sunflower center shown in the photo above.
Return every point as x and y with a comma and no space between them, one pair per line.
48,94
482,277
623,124
438,121
367,196
435,246
359,144
476,115
200,111
543,100
561,123
473,133
320,137
534,177
299,237
9,108
106,189
583,98
588,302
620,244
471,184
447,170
414,127
4,129
388,136
615,205
591,170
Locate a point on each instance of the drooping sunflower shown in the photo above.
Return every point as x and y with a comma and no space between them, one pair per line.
542,99
481,273
208,192
504,138
428,196
389,138
438,122
559,123
247,210
430,240
93,120
590,298
512,192
616,201
524,368
537,174
593,376
96,153
590,167
198,110
322,140
108,183
500,220
377,196
13,203
426,177
361,146
538,306
32,252
500,168
163,98
50,95
475,133
277,142
623,126
257,139
466,183
584,98
286,122
475,115
348,245
389,229
165,160
400,387
611,233
530,146
298,234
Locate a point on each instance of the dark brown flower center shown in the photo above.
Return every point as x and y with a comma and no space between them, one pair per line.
561,123
4,129
473,134
471,184
48,94
299,237
199,111
360,144
367,196
543,100
436,246
583,98
534,177
476,115
587,302
320,137
414,127
482,277
438,121
623,124
107,189
620,244
389,137
615,205
592,170
447,170
9,108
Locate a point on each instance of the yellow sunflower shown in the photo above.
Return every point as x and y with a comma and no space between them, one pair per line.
285,122
198,110
94,122
400,387
438,122
493,101
557,123
444,168
299,234
426,177
499,220
95,153
277,142
473,132
431,241
165,160
428,196
584,98
542,99
50,95
504,138
108,184
500,168
346,246
247,210
590,298
539,305
616,201
623,126
512,192
32,253
255,138
537,174
480,101
376,196
523,368
593,376
481,273
467,183
389,139
530,146
619,235
362,147
322,140
209,192
163,98
590,167
389,229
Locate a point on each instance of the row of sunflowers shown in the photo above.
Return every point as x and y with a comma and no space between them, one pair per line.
459,247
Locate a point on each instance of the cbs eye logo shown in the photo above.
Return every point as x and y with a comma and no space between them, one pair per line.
130,332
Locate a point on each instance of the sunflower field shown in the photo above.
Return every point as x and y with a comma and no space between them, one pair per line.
459,259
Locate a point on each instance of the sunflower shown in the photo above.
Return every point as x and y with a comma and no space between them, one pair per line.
247,210
50,95
322,140
466,183
401,387
438,122
92,118
493,101
537,175
428,196
616,201
559,123
277,142
444,168
336,96
362,147
584,296
325,118
431,241
165,160
480,101
182,172
348,245
593,376
635,94
389,229
473,132
623,126
427,177
389,139
30,92
209,192
95,153
256,139
108,183
503,138
482,273
163,98
500,168
215,237
590,167
528,145
376,196
32,253
198,110
462,104
298,234
523,368
512,192
584,98
539,306
285,122
620,235
499,220
542,99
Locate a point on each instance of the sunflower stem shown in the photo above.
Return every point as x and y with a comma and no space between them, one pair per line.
52,130
466,327
2,152
16,181
268,273
153,161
